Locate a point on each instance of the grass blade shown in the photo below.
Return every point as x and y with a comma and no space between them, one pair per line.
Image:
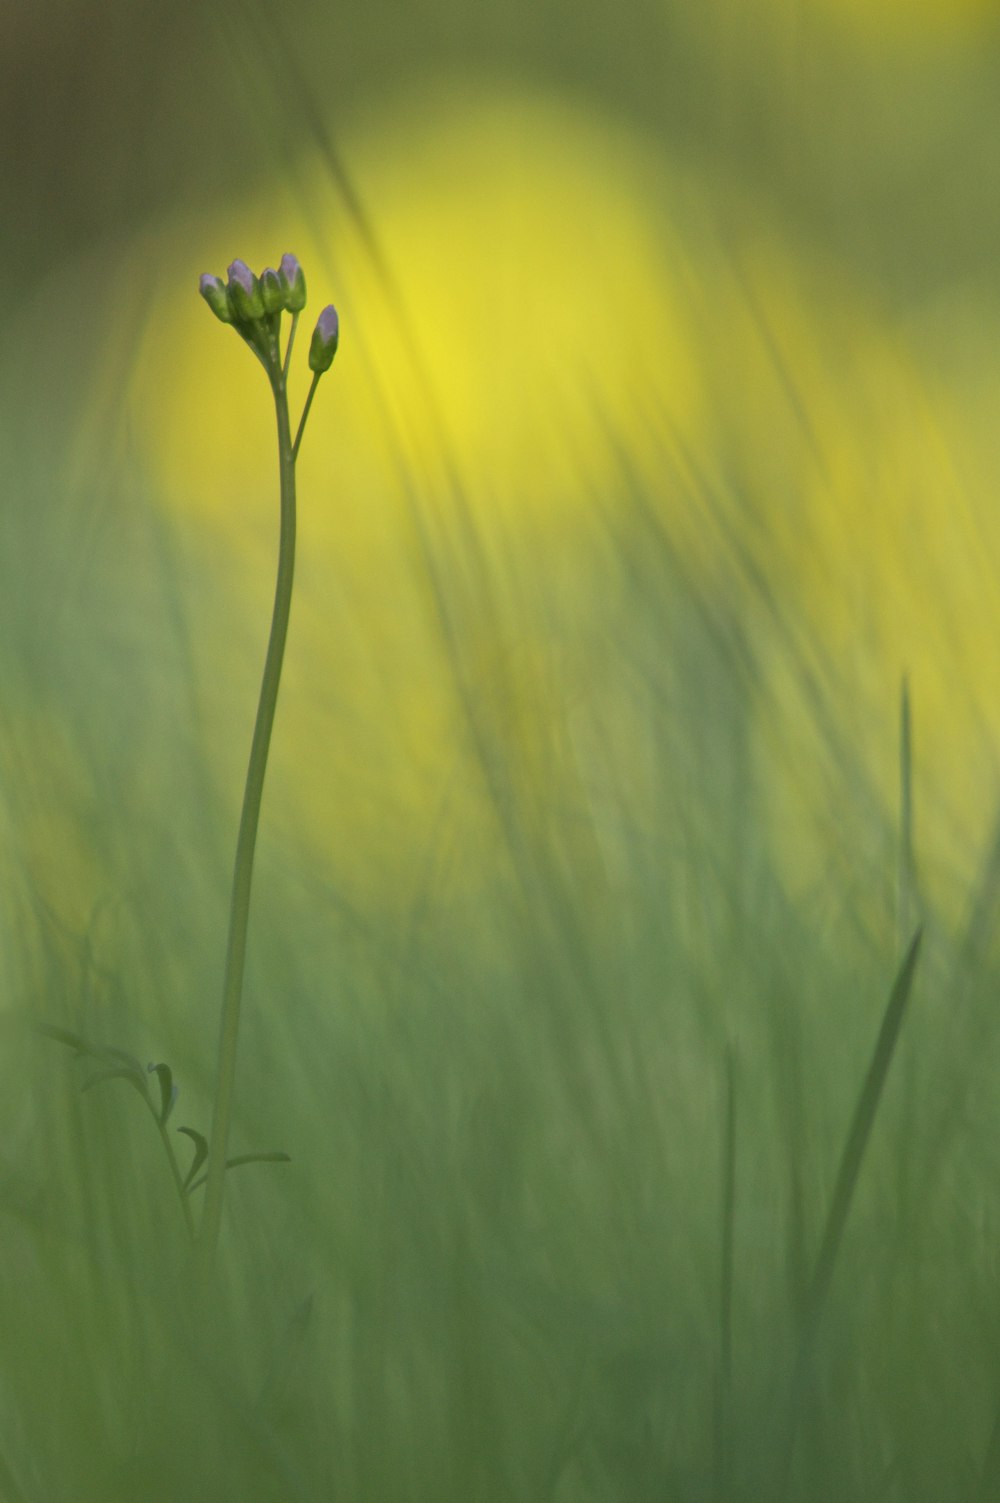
906,891
860,1131
723,1398
862,1122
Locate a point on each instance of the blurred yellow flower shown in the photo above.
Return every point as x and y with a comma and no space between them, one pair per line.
541,296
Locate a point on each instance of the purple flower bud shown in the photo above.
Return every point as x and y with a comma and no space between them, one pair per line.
213,290
326,337
245,301
239,271
293,282
272,291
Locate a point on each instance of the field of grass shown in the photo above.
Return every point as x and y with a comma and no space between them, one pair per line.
622,980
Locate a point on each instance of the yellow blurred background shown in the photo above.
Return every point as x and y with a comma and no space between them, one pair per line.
574,285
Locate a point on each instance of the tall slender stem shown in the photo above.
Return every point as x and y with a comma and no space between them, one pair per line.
239,911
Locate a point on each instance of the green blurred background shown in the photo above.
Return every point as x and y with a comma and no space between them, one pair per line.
660,451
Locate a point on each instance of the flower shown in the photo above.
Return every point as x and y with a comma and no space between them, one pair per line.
245,300
326,337
293,282
272,291
213,290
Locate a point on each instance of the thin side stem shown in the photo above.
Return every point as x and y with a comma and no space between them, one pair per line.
239,912
305,414
288,352
175,1173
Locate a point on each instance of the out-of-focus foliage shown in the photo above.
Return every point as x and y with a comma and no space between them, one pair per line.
552,316
661,444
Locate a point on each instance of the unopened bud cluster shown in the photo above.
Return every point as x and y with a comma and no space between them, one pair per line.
254,305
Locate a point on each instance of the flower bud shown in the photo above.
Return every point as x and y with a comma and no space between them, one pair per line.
245,300
272,291
293,282
213,290
326,337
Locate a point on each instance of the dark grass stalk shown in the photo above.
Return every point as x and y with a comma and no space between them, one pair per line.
907,904
862,1122
989,1481
906,890
724,1387
8,1482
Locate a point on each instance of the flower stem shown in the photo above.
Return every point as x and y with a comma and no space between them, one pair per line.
239,911
288,351
305,414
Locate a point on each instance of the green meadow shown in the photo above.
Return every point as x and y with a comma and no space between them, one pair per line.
620,1029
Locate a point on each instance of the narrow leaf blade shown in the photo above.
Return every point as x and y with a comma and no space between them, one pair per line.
200,1154
168,1091
249,1158
118,1073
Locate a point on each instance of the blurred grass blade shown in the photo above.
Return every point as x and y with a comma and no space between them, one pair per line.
723,1411
990,1479
906,893
859,1134
286,1361
848,1173
11,1492
276,1157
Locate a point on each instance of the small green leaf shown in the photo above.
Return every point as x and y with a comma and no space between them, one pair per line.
258,1158
168,1091
64,1036
121,1073
200,1153
248,1158
125,1057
